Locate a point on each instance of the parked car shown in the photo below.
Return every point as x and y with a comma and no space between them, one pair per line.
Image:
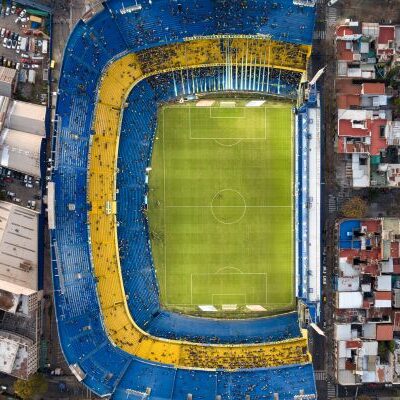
5,42
2,32
17,200
8,9
13,9
1,60
14,44
29,185
10,194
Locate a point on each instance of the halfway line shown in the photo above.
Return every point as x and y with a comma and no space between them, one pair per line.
246,206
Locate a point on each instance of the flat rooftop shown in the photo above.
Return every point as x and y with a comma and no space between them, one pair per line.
18,249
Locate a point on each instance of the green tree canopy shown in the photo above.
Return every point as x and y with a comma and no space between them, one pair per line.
36,384
356,207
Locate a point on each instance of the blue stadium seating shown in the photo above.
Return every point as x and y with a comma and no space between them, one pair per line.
84,341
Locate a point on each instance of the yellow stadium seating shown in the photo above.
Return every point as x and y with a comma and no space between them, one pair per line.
119,78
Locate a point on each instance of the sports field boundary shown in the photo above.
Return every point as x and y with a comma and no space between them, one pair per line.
278,307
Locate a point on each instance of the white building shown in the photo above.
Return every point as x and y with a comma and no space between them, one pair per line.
27,117
20,295
20,151
7,81
22,129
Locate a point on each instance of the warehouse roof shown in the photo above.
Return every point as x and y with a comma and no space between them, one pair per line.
20,151
18,249
7,75
27,117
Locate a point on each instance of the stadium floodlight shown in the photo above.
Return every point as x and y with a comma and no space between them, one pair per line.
127,10
255,103
307,3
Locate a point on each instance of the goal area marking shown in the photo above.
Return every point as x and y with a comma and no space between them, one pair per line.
196,277
191,109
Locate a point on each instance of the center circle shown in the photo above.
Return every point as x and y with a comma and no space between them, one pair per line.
228,206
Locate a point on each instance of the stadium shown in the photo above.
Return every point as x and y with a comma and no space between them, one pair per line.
183,204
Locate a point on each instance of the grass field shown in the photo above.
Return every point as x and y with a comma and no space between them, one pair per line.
221,206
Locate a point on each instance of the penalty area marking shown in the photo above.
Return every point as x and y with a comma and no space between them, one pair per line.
197,274
227,145
228,108
224,138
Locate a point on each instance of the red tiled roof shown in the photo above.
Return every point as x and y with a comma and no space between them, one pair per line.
373,88
380,374
372,225
394,249
352,344
377,142
347,100
372,129
345,86
386,33
384,332
343,54
383,295
344,31
349,253
371,269
366,304
396,321
396,267
345,129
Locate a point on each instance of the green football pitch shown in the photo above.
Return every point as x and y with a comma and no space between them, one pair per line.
221,206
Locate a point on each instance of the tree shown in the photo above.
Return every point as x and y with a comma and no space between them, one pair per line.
356,207
35,385
363,397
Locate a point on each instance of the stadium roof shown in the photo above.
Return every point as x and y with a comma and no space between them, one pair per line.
20,151
18,249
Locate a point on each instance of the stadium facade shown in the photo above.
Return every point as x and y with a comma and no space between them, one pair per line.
121,61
